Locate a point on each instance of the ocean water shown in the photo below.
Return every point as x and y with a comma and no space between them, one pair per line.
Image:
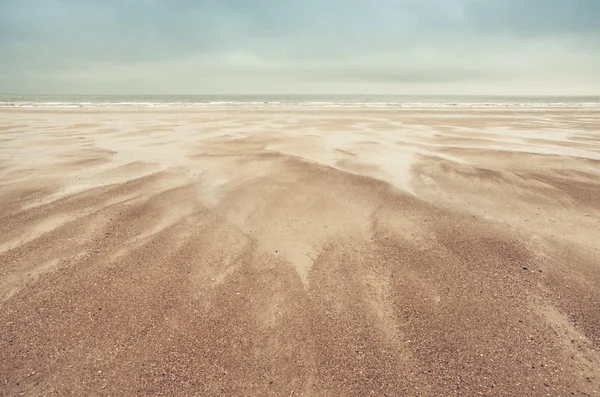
333,101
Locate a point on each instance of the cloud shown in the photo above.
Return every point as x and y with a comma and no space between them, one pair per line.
335,46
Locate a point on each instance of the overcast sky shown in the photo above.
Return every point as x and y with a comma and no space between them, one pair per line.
532,47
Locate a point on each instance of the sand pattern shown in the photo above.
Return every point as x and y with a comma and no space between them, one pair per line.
299,252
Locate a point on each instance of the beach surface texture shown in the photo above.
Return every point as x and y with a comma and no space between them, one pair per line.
299,251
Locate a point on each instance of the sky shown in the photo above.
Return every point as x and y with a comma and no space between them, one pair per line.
231,47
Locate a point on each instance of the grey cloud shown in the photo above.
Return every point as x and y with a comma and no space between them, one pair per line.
127,45
536,17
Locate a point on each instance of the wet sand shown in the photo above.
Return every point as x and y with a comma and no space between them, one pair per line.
299,252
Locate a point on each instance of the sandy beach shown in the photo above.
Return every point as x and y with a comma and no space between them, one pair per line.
287,251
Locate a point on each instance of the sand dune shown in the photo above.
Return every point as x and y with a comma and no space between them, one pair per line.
299,251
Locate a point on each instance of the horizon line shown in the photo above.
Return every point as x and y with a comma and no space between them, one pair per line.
315,94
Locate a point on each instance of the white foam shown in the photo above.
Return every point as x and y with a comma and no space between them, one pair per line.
303,104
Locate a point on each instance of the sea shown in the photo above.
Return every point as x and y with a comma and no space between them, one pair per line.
327,101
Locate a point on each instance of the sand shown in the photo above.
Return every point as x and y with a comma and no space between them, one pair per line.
299,252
